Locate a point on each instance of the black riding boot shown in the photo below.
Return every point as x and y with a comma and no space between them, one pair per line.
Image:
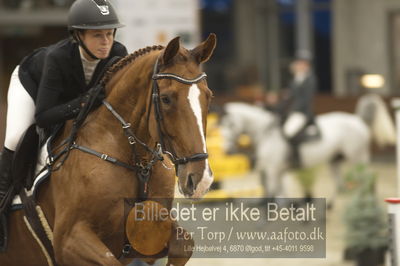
6,158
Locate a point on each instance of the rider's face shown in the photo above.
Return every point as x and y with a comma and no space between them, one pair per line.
99,42
300,66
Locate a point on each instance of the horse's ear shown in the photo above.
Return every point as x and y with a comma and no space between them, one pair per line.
171,50
204,51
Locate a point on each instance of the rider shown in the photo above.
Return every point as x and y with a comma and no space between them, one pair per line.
299,104
58,78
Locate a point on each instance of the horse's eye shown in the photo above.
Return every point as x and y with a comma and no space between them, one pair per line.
165,99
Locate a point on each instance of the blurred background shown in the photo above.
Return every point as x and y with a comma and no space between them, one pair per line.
354,46
257,39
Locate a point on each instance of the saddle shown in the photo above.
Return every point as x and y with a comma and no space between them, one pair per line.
310,132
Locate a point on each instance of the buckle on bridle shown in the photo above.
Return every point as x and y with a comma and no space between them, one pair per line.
126,249
131,140
159,152
49,160
126,126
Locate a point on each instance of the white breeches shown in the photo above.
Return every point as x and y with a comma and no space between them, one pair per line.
295,122
20,111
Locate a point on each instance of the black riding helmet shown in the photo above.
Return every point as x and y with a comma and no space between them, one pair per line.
91,15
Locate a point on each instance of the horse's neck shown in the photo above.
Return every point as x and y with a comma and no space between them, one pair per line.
128,93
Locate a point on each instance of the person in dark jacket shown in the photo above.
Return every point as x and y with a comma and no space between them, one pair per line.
299,104
50,85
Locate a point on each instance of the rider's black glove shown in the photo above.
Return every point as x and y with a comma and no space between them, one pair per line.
94,97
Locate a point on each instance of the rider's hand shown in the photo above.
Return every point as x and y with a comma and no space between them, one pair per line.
95,95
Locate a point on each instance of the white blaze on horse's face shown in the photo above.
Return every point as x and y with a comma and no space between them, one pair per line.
207,177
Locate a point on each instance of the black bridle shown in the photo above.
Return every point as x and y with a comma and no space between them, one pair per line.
158,114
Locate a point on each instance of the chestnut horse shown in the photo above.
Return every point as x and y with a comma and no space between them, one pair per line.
161,98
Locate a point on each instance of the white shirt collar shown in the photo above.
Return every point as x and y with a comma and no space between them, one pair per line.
83,58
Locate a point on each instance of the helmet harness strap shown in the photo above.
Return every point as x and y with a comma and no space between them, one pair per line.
83,45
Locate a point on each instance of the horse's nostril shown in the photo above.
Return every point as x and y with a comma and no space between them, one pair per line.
191,182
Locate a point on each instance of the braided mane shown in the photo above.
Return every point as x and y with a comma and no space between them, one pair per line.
126,60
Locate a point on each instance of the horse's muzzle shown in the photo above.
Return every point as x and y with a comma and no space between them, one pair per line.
194,179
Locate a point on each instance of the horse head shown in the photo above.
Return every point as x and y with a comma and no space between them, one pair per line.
184,98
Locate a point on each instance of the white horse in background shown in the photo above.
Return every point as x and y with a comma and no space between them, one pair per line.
343,135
